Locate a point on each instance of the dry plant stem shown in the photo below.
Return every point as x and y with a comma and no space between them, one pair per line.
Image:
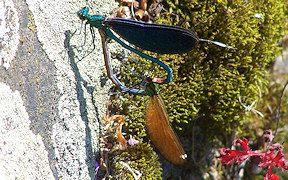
278,115
120,120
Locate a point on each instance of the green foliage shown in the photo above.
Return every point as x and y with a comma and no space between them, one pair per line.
208,81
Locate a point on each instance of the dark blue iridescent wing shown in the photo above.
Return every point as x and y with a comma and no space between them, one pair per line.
157,38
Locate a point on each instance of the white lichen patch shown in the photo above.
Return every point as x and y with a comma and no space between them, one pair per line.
22,153
82,97
9,36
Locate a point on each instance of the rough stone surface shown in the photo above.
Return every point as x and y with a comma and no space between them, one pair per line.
53,91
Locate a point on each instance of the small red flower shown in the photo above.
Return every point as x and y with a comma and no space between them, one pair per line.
227,156
244,144
273,156
270,175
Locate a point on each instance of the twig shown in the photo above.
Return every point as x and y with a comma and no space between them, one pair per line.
278,114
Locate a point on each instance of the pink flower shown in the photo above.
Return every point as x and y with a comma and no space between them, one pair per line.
132,141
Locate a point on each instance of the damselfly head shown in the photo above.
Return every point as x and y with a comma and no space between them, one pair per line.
82,13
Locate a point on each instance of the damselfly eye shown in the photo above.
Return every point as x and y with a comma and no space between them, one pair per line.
81,15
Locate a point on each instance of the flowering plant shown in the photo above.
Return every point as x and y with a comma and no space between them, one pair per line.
273,156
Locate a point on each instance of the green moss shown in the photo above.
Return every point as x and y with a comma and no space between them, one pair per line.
140,158
208,81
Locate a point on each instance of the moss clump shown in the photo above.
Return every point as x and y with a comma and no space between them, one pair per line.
208,81
140,158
